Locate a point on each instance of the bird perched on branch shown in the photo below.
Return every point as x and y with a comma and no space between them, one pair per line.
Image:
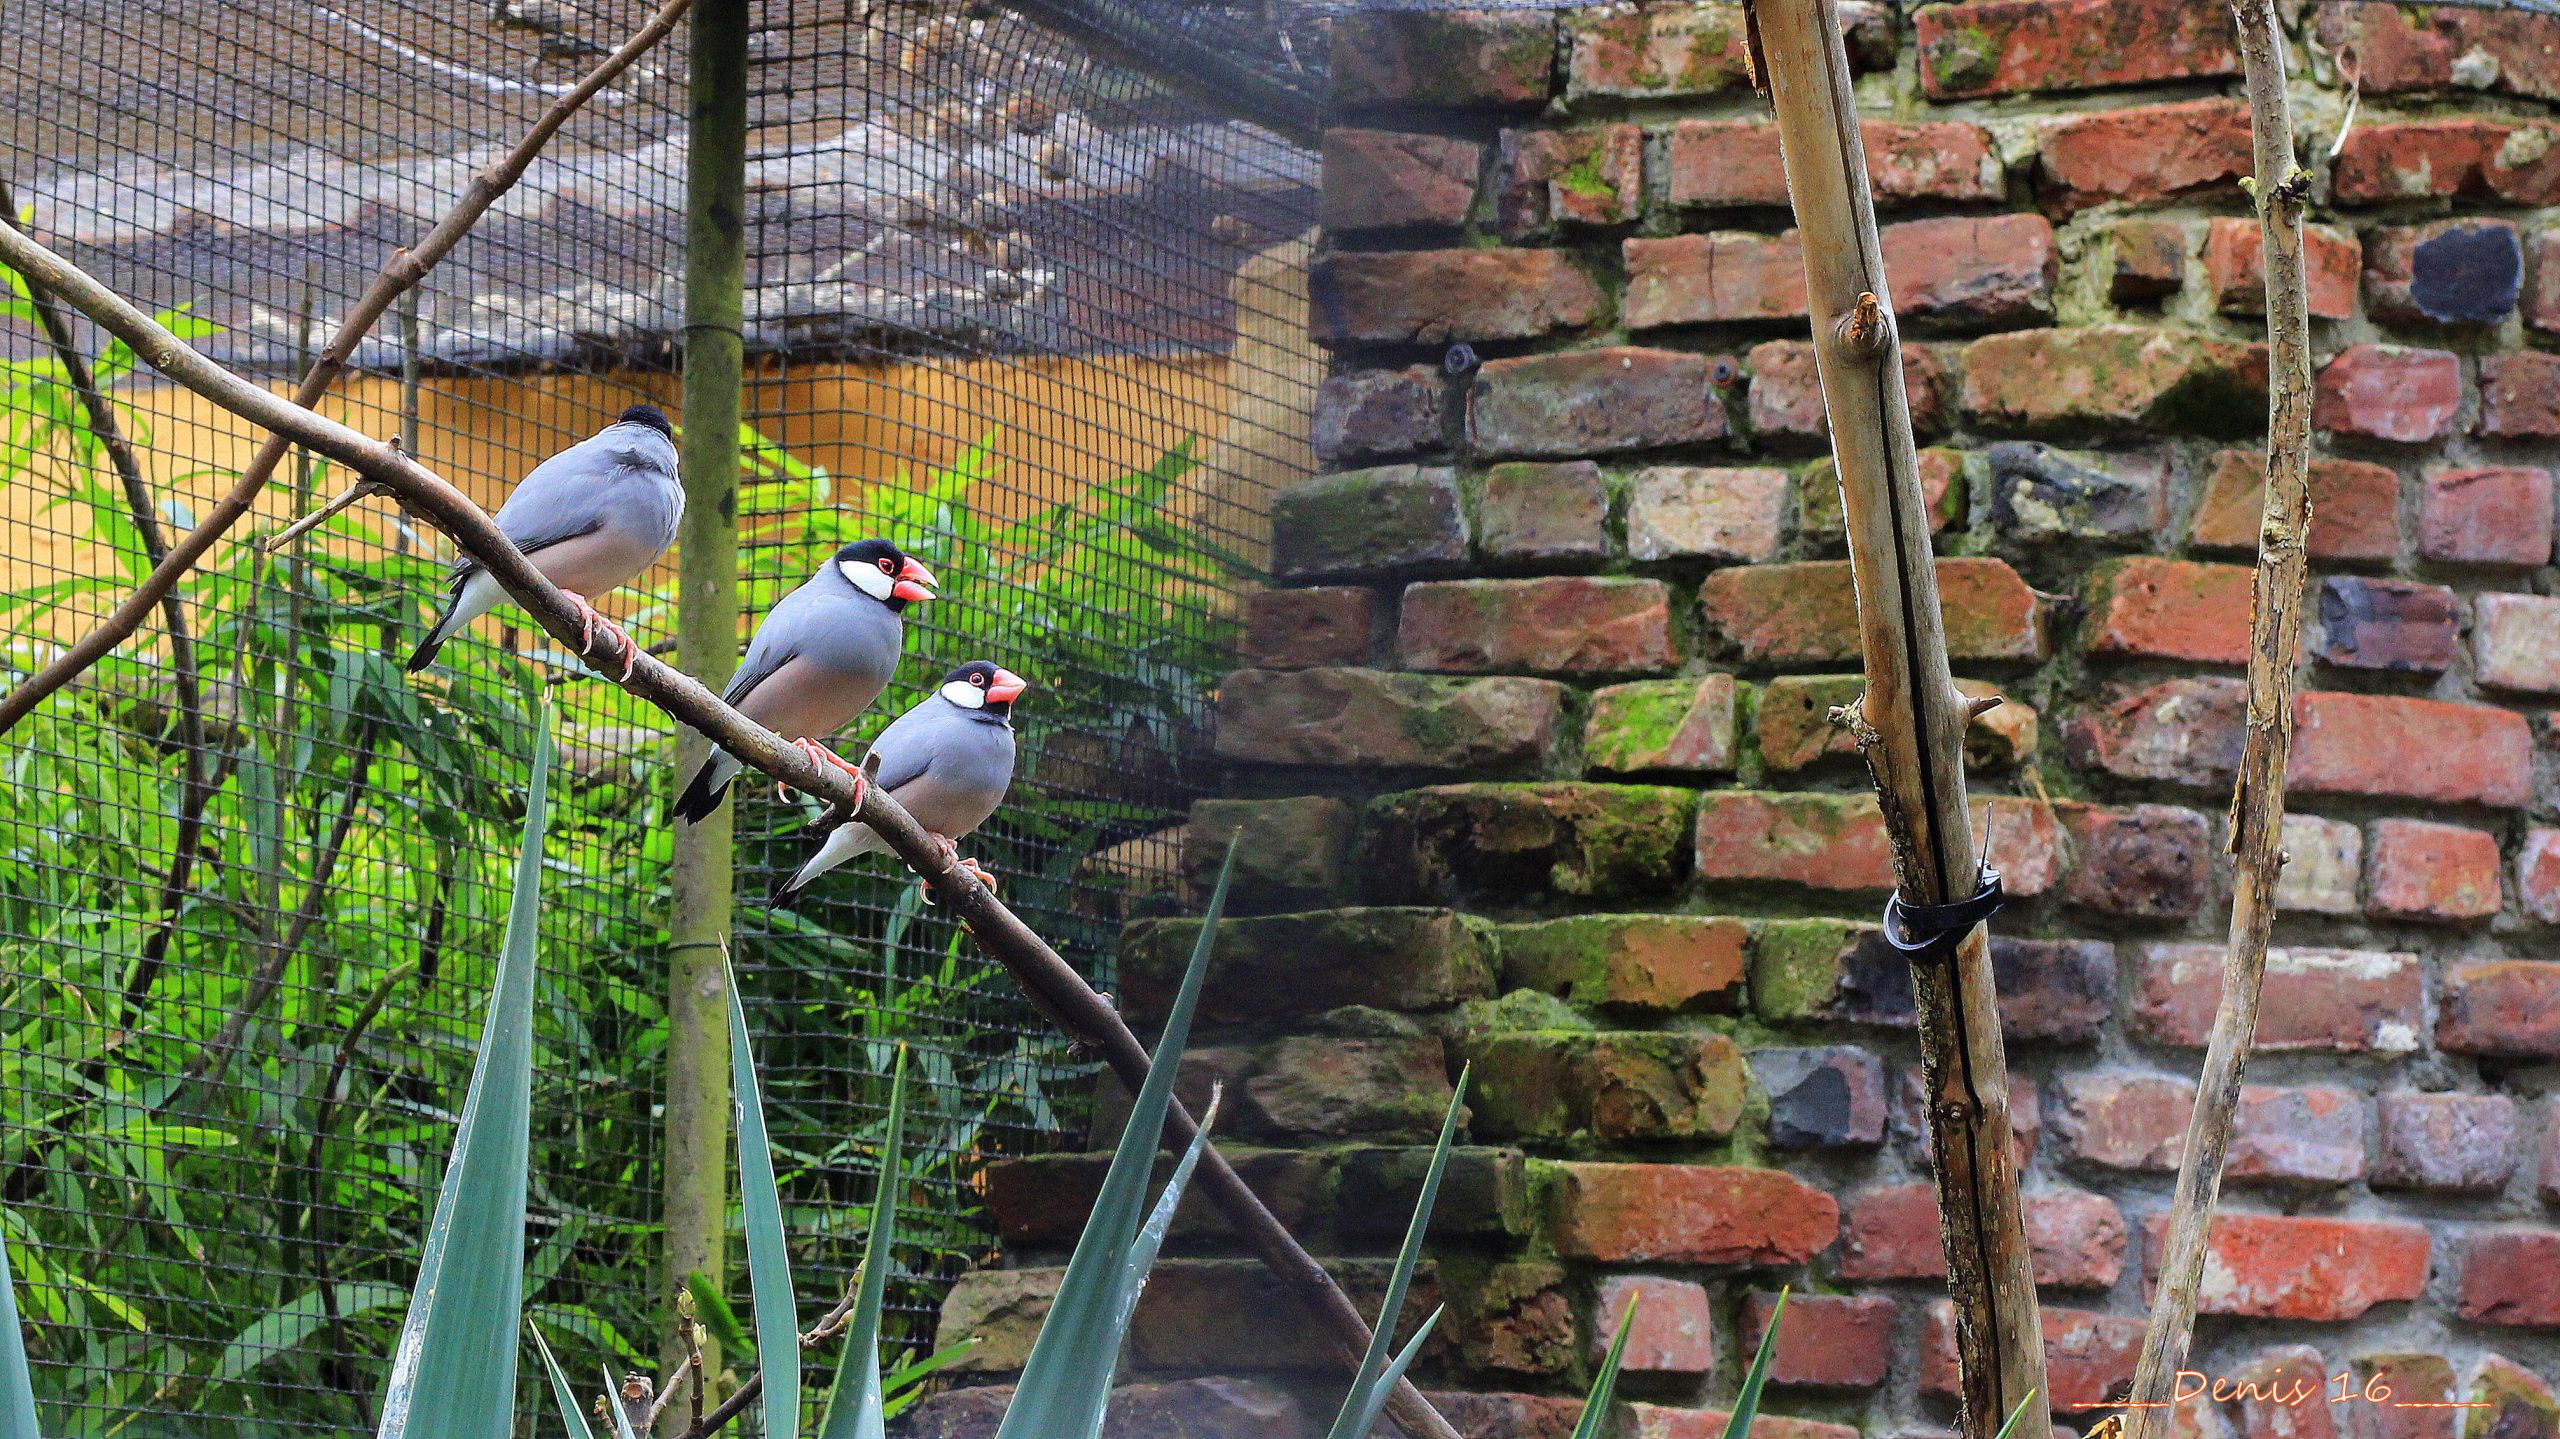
949,761
589,518
819,659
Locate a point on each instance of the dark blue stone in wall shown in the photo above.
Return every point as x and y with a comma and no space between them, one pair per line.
2469,275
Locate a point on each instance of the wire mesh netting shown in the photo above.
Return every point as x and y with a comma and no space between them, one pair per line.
1033,316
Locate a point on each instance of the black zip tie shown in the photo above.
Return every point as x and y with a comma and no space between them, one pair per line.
1932,931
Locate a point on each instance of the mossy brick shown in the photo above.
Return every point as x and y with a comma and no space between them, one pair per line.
1455,59
1645,962
1807,613
1682,726
1314,1089
1591,841
2142,154
1682,48
1041,1201
1484,1192
1534,510
1829,971
1592,402
1794,731
1295,964
1516,1319
1195,1314
2508,1402
1553,624
1392,519
1366,719
1438,297
1942,494
1289,853
1611,1087
2007,47
2040,493
2104,378
1590,175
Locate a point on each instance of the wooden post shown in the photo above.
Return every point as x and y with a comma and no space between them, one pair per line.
1910,722
2275,638
702,878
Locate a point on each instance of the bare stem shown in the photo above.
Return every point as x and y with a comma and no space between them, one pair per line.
2257,800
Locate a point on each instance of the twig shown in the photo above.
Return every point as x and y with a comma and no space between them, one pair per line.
705,1425
2257,800
1046,978
402,271
1910,721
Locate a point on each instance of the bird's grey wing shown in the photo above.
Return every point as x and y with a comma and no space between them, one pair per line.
786,632
910,745
562,499
970,773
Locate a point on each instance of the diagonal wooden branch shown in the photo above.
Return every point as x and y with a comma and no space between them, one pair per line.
1046,978
2257,801
403,271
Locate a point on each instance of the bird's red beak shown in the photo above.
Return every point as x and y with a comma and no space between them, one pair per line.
915,582
1007,687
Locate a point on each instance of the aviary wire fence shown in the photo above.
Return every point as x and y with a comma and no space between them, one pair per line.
1032,315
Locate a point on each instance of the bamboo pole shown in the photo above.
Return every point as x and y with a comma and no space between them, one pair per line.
1046,978
2257,800
702,877
1910,721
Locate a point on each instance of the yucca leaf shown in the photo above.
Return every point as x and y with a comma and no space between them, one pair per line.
1380,1368
2015,1415
768,1250
453,1372
621,1417
1141,1258
857,1405
1746,1400
1604,1385
570,1416
17,1386
1066,1382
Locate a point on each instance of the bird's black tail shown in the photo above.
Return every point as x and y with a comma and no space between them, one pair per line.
425,654
783,894
703,794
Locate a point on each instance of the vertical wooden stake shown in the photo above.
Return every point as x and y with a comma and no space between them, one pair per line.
1910,722
702,878
2257,801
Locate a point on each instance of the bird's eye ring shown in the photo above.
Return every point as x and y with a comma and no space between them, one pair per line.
979,680
887,568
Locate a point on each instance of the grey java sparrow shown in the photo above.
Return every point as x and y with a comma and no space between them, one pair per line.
589,518
819,659
948,761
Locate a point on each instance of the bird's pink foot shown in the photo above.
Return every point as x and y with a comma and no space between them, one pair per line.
590,620
820,754
951,855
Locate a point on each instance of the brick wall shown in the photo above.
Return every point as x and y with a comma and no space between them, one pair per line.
1533,770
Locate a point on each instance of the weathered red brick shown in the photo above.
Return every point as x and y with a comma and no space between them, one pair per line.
1659,1421
2272,1266
2550,1181
1384,179
1973,272
2389,392
2470,159
2463,271
2153,608
1361,718
2538,878
1461,59
1532,510
2433,873
1786,394
2401,50
1807,613
2004,47
1508,1416
2147,261
2087,1356
1432,297
2508,1008
2499,515
1942,494
2235,270
2509,1276
2139,1122
2342,1001
1561,624
1680,725
1610,1087
1703,512
2101,377
1683,48
2519,396
2282,1395
1642,961
2153,152
2187,731
1827,1340
1378,414
1675,1330
1688,1214
2400,625
2361,744
1519,1319
2455,1143
1591,175
2324,866
2355,507
2077,1238
2147,861
1828,842
1727,277
1295,629
1590,402
1736,162
2542,284
2061,990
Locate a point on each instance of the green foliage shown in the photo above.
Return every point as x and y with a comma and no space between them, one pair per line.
768,1252
17,1392
857,1406
1381,1369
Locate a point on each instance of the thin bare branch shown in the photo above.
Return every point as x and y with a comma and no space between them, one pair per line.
1046,978
2257,800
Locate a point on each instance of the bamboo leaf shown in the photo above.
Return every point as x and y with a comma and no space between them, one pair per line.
17,1386
453,1372
768,1248
857,1405
1604,1385
570,1417
1379,1368
1066,1383
279,1330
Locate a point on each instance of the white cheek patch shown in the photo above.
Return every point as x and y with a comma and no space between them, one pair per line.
867,578
964,694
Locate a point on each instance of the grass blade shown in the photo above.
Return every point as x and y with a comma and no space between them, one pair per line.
1378,1371
1746,1400
1066,1383
17,1385
453,1373
1604,1385
2015,1415
570,1417
768,1250
857,1405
